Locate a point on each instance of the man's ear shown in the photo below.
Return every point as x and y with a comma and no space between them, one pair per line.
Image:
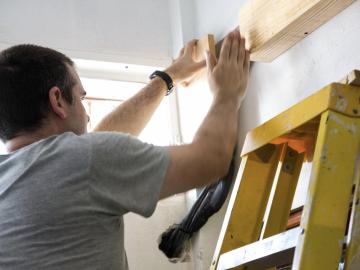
57,102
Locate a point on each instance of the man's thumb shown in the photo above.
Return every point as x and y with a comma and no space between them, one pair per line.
210,61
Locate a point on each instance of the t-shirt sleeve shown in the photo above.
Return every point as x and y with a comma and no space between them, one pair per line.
126,175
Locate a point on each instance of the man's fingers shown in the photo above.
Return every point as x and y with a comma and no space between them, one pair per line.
238,38
181,53
185,84
200,65
241,55
225,48
235,46
189,48
247,61
210,61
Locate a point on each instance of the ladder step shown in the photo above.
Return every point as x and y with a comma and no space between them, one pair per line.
273,251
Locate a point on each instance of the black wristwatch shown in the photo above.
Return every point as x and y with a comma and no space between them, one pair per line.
166,78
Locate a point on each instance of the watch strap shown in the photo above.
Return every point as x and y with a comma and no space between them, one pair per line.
166,78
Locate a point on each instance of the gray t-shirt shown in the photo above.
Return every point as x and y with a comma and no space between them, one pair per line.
62,199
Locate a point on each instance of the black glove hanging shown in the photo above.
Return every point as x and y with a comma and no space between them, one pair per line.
175,241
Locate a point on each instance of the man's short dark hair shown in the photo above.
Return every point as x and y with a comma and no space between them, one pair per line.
27,73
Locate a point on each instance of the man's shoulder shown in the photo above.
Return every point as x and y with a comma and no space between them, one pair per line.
69,139
66,140
96,142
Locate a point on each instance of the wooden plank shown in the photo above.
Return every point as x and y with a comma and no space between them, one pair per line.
353,78
273,26
207,43
295,218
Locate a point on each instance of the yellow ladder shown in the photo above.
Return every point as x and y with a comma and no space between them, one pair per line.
324,128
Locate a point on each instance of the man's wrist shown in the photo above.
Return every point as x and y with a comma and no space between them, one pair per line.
172,75
227,100
165,78
160,84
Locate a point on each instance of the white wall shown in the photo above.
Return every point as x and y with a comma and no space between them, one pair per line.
323,57
141,235
133,32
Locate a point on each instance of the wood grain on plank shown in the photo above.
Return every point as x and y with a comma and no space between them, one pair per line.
206,43
273,26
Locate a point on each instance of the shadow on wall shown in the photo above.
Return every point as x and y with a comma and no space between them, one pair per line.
249,112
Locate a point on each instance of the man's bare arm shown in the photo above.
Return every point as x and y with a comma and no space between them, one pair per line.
133,114
208,157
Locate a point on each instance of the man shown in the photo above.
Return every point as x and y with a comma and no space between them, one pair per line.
63,191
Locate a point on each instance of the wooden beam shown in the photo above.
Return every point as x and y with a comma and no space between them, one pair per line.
207,43
273,26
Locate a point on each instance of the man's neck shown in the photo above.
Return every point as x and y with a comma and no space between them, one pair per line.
25,139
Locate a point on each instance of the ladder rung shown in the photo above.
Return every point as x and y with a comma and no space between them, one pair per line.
272,251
